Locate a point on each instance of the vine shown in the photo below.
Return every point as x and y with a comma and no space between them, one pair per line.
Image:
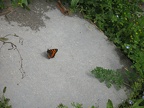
14,47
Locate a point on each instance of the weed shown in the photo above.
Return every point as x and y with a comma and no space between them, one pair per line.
1,4
62,106
109,76
15,3
75,105
4,102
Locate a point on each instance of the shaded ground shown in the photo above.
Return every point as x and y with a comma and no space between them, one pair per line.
65,78
34,18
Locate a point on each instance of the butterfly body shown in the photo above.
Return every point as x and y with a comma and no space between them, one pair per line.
51,53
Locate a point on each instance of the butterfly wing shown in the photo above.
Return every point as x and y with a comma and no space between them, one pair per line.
51,53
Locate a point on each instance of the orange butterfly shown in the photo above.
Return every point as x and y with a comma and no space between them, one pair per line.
51,53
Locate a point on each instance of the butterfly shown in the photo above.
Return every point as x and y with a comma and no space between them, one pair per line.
51,53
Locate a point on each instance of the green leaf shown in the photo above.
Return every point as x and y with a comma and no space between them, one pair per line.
76,105
3,39
109,104
62,106
25,2
136,105
74,3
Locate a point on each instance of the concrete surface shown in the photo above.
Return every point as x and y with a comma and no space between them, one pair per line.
65,78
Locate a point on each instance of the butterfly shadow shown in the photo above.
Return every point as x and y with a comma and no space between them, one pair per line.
44,54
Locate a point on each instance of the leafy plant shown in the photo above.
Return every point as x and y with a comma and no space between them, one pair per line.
78,105
4,102
75,105
137,89
138,103
113,77
15,3
74,3
21,3
109,76
1,4
123,22
62,106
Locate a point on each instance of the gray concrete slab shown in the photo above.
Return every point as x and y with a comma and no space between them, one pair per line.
65,78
